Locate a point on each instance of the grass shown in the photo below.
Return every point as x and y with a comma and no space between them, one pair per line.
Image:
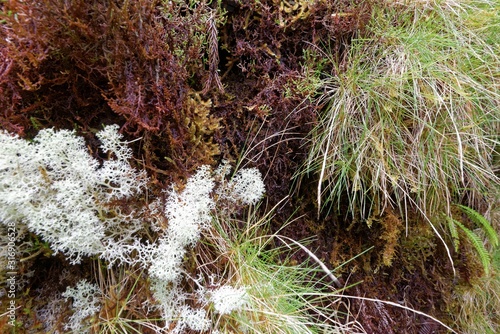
124,302
411,112
282,297
409,120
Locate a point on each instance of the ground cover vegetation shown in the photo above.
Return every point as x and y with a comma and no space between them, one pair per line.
268,166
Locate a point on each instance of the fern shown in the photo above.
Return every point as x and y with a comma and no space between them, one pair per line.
478,245
454,232
479,219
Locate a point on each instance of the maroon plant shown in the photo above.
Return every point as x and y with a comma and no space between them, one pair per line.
81,64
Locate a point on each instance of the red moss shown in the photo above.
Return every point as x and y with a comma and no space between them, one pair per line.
80,64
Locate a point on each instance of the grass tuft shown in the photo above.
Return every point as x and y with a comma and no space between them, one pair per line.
282,297
410,115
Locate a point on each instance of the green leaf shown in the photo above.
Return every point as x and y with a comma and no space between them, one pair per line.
454,232
479,219
478,245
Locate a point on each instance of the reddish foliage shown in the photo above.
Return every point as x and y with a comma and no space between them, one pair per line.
271,36
81,64
83,54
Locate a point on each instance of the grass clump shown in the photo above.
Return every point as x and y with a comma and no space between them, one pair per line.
409,123
410,117
281,297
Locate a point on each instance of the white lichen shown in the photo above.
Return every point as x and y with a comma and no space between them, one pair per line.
54,187
86,303
227,299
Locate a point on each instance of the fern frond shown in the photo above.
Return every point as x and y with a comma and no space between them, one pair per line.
478,245
479,219
454,232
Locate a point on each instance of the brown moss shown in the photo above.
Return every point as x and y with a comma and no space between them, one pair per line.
76,64
392,227
201,127
268,36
